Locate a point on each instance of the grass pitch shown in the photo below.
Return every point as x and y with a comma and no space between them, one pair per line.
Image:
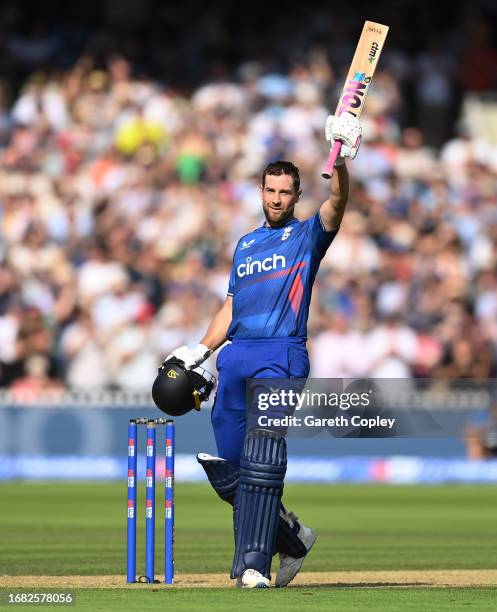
79,529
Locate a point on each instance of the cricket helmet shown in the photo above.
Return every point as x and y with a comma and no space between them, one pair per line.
177,390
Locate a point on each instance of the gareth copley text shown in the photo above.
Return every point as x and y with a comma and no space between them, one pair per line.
340,421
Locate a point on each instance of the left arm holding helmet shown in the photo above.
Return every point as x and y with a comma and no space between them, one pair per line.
347,129
179,387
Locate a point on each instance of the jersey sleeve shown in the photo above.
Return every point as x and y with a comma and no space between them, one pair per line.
319,236
231,284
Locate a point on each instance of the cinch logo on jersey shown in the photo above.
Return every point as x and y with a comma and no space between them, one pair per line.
257,265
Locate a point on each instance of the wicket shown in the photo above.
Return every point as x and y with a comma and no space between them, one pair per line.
150,500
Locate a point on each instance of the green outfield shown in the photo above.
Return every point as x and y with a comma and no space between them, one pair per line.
79,530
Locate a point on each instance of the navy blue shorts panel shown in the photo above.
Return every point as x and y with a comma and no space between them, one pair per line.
266,358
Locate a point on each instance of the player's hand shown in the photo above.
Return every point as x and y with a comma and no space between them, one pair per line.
192,358
347,129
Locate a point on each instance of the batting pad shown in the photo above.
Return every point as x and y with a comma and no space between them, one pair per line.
223,478
221,474
258,501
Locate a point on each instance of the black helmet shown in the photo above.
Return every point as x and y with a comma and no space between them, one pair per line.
177,390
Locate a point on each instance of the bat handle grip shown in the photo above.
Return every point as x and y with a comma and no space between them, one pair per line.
327,172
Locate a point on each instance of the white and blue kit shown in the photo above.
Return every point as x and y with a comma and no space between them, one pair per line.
271,284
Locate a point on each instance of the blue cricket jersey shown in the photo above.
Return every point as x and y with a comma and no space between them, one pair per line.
272,277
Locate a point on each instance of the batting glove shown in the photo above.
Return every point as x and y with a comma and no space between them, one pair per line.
191,358
347,129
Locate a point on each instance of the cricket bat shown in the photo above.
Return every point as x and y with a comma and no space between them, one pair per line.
359,78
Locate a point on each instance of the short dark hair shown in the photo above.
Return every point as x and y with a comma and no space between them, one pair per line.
280,167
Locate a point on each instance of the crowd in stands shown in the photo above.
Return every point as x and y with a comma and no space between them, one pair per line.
122,198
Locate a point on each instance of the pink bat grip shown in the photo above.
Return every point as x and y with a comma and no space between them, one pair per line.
334,151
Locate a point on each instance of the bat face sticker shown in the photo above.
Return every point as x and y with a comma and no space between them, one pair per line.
358,80
354,94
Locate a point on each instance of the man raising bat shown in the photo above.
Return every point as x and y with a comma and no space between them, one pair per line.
264,317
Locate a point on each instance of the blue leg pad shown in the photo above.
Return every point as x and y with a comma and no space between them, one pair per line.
221,474
258,501
223,478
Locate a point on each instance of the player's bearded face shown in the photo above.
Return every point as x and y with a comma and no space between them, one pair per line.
278,199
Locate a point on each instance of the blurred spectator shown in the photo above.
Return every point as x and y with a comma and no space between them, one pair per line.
392,349
83,349
479,58
435,84
339,351
36,384
480,435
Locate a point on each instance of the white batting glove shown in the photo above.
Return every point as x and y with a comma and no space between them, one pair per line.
192,358
347,129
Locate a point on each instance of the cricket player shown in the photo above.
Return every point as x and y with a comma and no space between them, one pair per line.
264,317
